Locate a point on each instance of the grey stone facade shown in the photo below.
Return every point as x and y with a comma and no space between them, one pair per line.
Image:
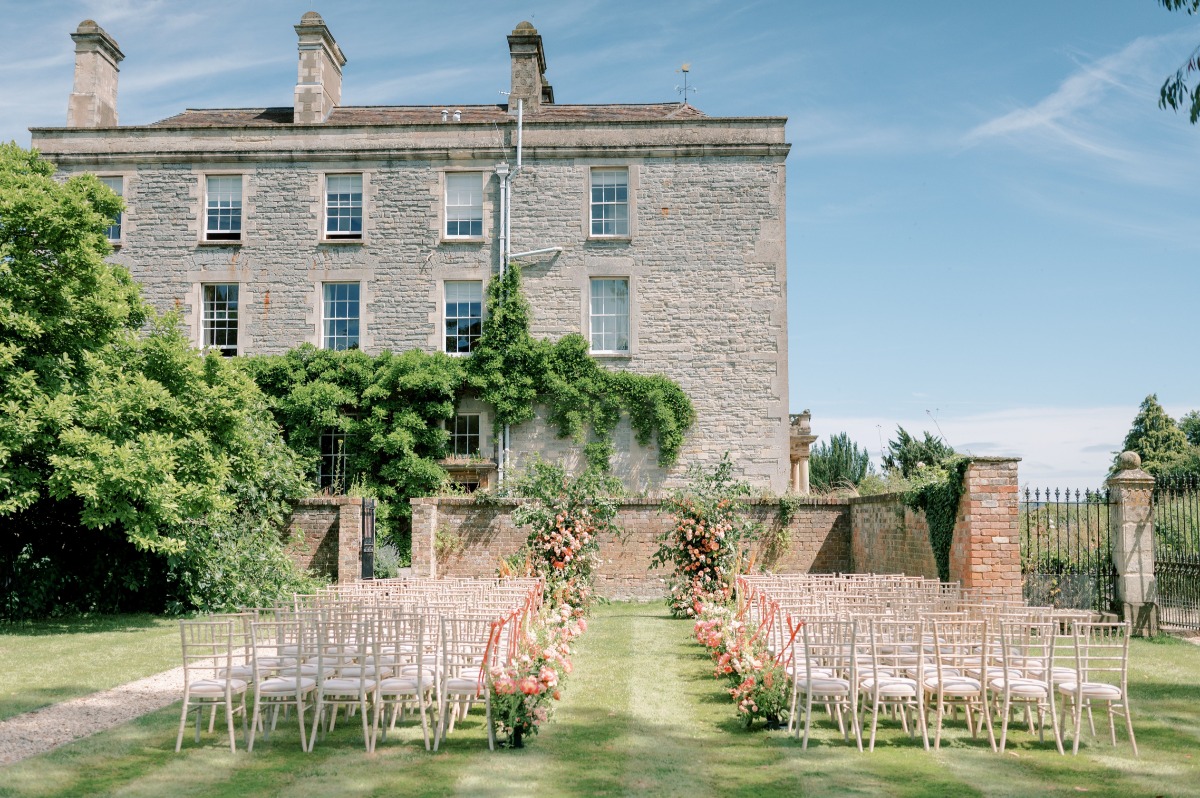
704,258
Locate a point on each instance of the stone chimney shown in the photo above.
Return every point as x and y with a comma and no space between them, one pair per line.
528,69
319,83
93,100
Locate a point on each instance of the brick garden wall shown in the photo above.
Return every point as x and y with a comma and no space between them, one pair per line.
327,533
889,538
875,534
820,541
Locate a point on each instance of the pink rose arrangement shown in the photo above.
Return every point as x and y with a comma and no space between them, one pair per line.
523,689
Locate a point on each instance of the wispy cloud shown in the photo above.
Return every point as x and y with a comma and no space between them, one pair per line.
1099,120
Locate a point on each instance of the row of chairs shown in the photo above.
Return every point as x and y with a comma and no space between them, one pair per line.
859,647
365,653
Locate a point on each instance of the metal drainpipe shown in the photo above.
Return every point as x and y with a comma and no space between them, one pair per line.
503,173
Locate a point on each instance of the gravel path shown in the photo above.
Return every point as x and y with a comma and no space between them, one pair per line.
45,729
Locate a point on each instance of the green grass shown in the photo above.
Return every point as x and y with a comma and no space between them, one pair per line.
45,662
643,716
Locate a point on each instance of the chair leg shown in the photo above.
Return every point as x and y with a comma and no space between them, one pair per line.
362,709
488,720
807,718
229,723
1005,713
304,746
182,724
1078,707
1129,726
254,723
424,722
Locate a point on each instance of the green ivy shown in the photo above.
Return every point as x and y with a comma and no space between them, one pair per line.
936,491
513,372
392,408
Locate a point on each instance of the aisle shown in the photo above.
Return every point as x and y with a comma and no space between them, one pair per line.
643,716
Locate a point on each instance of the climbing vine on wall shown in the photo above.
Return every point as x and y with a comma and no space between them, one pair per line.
936,491
513,372
390,409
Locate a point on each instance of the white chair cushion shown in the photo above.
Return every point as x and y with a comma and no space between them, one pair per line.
277,685
346,686
215,687
1100,690
402,686
1023,688
954,685
825,686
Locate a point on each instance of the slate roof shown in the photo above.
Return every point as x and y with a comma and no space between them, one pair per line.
430,114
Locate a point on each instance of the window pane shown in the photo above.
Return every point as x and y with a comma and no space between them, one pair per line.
464,435
343,206
464,205
610,202
464,314
610,315
117,184
223,220
219,318
331,468
341,316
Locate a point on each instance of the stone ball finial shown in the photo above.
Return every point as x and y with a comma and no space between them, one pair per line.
311,18
524,27
87,24
1129,461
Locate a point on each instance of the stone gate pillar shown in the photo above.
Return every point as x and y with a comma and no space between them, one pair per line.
801,439
1131,525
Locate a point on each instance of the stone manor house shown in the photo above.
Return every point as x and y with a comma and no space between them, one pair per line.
655,231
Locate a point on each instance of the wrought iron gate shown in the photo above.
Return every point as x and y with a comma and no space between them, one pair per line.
1177,550
1066,551
368,539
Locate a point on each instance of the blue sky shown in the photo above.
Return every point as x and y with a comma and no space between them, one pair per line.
990,223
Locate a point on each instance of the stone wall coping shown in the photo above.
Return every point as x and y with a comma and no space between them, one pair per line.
995,459
878,498
633,501
335,501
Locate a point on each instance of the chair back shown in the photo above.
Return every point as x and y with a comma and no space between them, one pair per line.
1102,653
207,650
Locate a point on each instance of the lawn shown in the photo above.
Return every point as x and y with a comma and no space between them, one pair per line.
44,662
643,716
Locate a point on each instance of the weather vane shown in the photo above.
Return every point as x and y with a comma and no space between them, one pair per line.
685,88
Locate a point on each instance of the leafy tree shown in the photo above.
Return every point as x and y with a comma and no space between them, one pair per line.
120,433
1175,91
1155,436
838,463
389,407
908,455
1190,424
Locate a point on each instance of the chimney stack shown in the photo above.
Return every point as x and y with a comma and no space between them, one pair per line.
528,69
93,100
319,83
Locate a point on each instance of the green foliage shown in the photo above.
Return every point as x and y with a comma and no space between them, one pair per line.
1190,425
125,433
233,561
391,409
1175,92
704,547
838,463
908,455
513,372
59,303
566,516
935,490
1156,437
387,560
